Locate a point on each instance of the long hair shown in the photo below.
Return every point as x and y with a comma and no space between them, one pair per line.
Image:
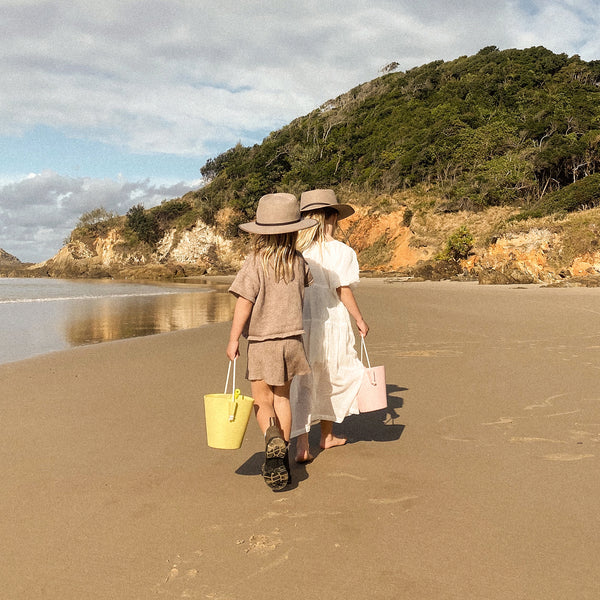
315,234
278,252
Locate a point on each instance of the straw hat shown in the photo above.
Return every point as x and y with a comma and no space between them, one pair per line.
316,199
277,213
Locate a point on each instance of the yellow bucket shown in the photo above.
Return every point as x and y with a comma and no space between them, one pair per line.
227,417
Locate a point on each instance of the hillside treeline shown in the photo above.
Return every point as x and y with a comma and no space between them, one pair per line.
512,127
517,128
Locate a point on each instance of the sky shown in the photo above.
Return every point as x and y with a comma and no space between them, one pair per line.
113,103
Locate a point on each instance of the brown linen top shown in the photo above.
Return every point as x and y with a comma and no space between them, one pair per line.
277,310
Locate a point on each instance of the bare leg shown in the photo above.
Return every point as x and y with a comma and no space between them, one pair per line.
283,410
264,408
273,402
328,440
302,449
272,409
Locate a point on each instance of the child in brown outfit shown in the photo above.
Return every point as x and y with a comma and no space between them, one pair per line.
270,291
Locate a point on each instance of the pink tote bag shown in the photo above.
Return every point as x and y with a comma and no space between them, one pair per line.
372,394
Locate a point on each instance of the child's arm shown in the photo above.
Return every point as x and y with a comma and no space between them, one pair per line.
241,314
349,301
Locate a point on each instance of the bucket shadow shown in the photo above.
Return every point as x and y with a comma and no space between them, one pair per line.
376,426
379,425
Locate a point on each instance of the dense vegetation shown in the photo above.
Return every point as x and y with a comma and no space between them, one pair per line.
514,127
508,127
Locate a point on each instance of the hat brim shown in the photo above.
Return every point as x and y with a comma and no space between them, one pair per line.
254,227
343,210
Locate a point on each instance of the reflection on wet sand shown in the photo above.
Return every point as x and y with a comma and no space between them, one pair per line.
114,319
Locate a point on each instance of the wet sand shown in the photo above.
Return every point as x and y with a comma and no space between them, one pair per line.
61,314
480,481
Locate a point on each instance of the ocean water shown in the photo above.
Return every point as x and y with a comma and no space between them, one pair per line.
44,315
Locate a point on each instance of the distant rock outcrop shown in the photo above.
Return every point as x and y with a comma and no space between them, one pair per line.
8,260
197,251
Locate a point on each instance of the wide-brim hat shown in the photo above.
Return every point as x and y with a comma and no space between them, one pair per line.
316,199
278,213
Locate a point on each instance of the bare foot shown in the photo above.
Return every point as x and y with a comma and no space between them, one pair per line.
303,456
330,441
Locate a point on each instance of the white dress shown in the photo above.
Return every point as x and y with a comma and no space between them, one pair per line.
329,391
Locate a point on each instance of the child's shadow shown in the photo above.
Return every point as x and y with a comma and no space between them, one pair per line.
376,426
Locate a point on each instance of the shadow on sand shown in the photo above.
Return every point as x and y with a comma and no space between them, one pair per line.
377,426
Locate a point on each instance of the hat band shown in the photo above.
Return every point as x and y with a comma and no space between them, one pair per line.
320,205
277,224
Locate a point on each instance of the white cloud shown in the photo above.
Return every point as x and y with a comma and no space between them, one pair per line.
181,76
192,77
39,212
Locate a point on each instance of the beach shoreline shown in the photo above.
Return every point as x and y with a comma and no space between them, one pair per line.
37,318
479,481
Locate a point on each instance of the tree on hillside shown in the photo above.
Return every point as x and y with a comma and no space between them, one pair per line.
143,224
498,127
95,217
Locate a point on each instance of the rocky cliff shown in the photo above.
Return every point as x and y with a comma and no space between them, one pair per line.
198,250
402,239
7,259
11,266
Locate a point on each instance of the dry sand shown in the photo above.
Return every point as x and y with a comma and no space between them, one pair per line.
480,482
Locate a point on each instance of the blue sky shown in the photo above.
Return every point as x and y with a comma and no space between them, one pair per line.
118,102
46,148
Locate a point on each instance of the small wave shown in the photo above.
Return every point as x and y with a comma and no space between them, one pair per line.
85,297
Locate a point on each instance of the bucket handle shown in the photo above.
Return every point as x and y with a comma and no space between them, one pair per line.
234,392
363,346
370,372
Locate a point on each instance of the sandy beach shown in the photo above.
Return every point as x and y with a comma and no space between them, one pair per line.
480,481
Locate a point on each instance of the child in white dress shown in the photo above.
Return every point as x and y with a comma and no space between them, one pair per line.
328,393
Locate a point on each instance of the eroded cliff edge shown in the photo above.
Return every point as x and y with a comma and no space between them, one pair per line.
393,237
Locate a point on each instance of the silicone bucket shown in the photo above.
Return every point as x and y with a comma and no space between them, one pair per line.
372,394
226,417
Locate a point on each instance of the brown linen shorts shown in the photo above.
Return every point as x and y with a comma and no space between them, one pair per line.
276,361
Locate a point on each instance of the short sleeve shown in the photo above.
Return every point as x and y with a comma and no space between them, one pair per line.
348,271
247,282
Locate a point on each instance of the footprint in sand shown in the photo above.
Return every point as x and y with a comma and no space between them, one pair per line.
261,543
184,569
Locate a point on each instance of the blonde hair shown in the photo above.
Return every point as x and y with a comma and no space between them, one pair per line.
315,234
277,251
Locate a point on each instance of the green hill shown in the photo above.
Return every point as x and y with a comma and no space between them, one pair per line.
509,139
497,128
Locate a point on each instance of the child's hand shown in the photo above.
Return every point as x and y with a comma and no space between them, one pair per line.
233,349
363,328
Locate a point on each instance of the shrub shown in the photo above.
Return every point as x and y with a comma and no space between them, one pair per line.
458,246
92,224
580,195
143,224
379,253
95,217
